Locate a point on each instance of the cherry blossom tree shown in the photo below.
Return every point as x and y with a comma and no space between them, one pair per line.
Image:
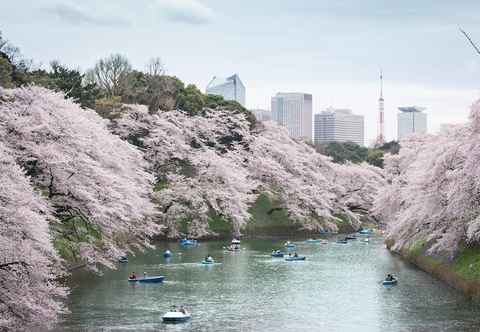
433,192
95,183
215,162
30,296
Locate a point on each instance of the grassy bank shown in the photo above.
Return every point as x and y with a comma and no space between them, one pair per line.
462,273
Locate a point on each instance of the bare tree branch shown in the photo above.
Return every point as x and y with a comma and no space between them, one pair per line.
470,40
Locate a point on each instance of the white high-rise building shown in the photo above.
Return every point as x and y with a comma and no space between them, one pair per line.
262,115
411,120
339,125
230,88
293,111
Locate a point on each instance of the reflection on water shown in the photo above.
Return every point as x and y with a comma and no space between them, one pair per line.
338,288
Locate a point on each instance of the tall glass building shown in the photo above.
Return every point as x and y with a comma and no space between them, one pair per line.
230,88
294,111
411,120
338,125
262,115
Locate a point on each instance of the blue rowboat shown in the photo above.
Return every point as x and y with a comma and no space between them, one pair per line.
342,241
293,258
167,254
204,262
350,237
289,244
365,231
185,242
154,279
277,254
390,282
313,241
174,317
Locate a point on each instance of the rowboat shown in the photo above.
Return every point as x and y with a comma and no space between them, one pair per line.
365,231
123,259
390,282
186,242
277,253
293,258
153,279
176,317
289,244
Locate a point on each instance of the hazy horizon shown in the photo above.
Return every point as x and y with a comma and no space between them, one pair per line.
332,50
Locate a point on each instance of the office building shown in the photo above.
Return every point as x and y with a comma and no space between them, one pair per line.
411,120
230,88
338,125
294,111
262,115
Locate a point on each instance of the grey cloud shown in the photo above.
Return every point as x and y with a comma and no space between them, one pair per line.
77,16
185,11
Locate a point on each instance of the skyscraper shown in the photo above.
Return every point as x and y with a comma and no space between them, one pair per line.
294,111
262,115
411,120
338,125
230,88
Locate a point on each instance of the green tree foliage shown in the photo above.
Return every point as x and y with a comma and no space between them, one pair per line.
70,81
349,151
5,73
162,92
342,152
392,147
19,65
375,157
191,100
135,88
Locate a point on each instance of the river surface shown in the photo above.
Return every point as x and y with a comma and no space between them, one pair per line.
338,288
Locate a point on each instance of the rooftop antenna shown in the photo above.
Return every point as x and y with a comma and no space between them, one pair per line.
470,40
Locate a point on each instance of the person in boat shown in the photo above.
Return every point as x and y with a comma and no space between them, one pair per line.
389,277
144,274
182,310
133,276
289,254
295,255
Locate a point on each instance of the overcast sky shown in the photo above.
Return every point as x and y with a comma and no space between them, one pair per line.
331,49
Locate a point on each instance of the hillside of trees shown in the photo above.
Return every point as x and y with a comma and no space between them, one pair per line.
342,152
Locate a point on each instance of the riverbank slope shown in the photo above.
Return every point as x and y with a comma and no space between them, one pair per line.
431,204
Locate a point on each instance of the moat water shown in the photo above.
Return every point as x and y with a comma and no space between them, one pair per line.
337,288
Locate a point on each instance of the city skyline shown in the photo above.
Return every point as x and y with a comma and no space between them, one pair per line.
353,40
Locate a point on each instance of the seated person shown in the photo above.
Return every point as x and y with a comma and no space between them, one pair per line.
133,276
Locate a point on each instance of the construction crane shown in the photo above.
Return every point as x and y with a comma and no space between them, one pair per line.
470,40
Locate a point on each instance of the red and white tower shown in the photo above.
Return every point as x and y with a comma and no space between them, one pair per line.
381,118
